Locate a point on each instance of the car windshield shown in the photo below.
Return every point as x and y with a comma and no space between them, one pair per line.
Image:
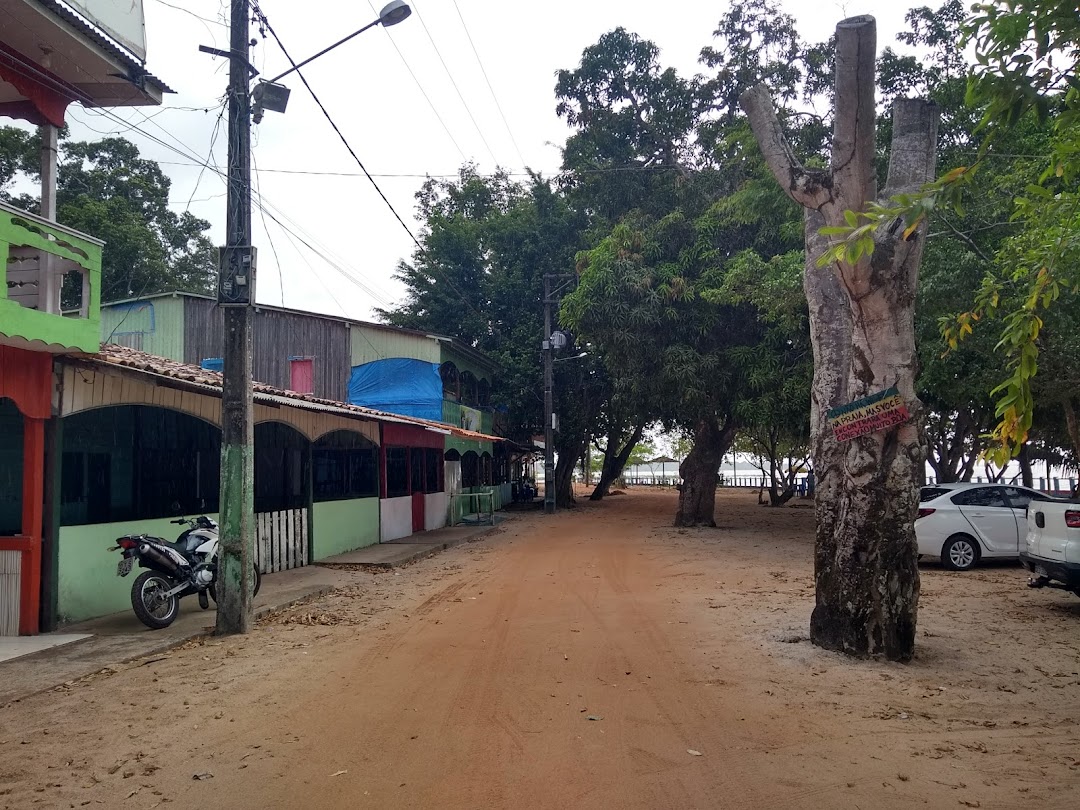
929,493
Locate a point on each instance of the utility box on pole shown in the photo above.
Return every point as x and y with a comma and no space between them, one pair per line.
236,275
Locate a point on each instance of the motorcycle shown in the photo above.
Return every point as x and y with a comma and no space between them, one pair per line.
188,566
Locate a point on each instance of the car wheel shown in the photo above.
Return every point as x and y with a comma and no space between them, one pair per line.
960,553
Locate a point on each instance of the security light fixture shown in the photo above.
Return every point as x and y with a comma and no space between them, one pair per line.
394,12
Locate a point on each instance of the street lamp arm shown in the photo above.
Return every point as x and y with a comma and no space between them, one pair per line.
299,65
393,12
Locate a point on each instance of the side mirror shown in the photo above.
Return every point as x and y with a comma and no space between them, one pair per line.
175,506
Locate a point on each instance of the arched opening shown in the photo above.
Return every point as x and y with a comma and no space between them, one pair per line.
136,462
501,464
11,468
468,388
470,470
451,381
282,456
483,393
344,464
486,471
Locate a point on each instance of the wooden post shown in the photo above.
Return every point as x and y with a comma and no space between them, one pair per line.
234,614
50,541
33,499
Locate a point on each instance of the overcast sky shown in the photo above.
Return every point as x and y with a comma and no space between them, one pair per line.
374,87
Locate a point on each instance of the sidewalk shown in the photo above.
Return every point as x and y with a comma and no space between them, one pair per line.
396,553
121,637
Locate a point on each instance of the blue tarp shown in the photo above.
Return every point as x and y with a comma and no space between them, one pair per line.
398,385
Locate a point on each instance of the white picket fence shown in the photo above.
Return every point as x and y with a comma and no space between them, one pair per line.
10,589
281,540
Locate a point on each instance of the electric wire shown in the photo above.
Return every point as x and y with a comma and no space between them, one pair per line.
263,19
184,151
266,230
491,89
457,89
423,92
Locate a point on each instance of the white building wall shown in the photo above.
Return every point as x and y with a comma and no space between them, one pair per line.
395,518
436,505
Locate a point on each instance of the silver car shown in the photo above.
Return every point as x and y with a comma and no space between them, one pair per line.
961,524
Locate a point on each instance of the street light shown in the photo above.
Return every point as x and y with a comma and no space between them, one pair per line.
236,293
392,13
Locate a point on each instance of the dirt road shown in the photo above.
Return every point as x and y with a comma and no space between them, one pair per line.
599,659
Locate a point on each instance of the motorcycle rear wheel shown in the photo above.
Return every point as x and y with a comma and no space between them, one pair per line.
154,610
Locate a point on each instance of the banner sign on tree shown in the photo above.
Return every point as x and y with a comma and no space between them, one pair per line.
868,415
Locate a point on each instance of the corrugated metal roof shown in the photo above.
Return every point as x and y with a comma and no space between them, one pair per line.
138,70
210,381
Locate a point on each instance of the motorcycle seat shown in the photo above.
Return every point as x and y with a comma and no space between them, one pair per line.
187,543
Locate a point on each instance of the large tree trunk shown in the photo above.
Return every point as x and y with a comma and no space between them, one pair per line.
615,458
697,498
867,580
569,450
1023,458
1072,426
955,445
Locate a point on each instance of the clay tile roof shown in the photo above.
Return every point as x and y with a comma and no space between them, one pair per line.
124,357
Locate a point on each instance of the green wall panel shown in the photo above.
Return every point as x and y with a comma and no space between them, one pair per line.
155,325
340,526
370,344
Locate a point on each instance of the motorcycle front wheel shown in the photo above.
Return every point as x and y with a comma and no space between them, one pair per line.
256,578
149,602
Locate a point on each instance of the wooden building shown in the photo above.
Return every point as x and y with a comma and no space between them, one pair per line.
140,441
50,56
386,368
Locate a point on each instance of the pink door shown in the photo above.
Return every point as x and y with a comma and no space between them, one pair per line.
302,375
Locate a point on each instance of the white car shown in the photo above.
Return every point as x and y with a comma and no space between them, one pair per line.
963,523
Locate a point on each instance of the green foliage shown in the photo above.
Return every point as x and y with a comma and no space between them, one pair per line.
1027,53
104,188
487,243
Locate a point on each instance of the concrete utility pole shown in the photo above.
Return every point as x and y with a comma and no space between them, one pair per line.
236,294
549,405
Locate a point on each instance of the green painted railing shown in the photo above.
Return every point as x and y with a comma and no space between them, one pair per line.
40,259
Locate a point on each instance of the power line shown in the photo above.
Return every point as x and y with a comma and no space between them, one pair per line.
262,212
344,140
187,152
210,153
193,14
451,175
454,83
491,89
423,92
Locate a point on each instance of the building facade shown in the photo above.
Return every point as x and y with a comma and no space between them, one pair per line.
386,368
50,56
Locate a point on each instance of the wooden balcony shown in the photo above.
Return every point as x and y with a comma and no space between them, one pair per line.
50,285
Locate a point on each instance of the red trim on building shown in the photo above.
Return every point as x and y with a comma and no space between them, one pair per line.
409,436
26,379
47,95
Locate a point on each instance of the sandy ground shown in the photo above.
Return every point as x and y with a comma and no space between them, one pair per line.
598,659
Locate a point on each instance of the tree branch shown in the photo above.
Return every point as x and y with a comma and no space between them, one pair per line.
809,188
966,239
